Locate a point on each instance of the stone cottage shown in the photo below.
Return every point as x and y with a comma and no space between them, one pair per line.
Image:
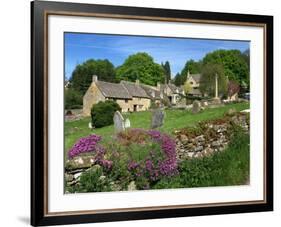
131,96
172,92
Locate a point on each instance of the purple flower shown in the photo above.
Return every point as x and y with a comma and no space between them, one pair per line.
84,145
106,164
132,165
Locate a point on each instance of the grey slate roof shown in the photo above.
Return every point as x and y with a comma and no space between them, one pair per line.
134,89
113,90
174,88
152,92
195,92
196,77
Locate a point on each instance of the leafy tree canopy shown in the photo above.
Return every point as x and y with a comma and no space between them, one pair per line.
72,99
234,65
141,66
207,83
82,74
192,66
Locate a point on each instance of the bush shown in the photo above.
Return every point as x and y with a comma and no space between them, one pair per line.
93,181
102,113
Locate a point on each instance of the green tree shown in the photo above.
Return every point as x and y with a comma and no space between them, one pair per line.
207,83
233,62
73,99
178,80
167,70
192,66
82,74
141,66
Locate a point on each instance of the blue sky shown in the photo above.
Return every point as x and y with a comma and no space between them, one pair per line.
80,47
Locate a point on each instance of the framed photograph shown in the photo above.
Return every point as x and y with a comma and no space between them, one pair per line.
141,113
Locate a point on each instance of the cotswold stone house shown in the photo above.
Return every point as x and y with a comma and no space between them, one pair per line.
131,96
194,81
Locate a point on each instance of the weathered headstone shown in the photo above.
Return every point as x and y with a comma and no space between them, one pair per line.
157,118
118,122
196,106
127,123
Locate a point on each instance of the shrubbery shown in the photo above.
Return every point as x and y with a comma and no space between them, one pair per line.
102,113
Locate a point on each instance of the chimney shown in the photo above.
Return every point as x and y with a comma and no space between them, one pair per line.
158,86
95,78
137,82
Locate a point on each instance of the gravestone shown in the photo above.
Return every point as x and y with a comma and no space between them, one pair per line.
196,107
118,122
157,118
127,123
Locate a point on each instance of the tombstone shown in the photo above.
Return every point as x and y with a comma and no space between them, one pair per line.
90,126
157,118
196,107
118,122
127,123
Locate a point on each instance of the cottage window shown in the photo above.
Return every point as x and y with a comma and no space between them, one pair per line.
126,100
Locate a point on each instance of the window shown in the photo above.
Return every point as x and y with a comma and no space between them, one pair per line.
126,100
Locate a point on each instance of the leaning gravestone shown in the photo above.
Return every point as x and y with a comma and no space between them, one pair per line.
118,122
157,118
196,106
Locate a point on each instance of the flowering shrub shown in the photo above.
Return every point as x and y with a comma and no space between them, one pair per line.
139,155
84,145
151,155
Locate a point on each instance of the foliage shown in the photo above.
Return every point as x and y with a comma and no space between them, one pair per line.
194,67
82,75
229,167
167,71
178,80
187,87
94,181
235,64
233,88
102,113
73,99
207,83
141,66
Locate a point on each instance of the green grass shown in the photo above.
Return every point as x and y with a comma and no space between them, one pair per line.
174,119
229,167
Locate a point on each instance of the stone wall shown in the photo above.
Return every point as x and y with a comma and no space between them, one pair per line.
210,137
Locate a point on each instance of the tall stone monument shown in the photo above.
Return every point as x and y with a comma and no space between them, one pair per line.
216,99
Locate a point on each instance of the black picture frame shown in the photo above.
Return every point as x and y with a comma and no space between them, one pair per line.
39,109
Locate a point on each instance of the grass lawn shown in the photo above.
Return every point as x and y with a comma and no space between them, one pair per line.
174,119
